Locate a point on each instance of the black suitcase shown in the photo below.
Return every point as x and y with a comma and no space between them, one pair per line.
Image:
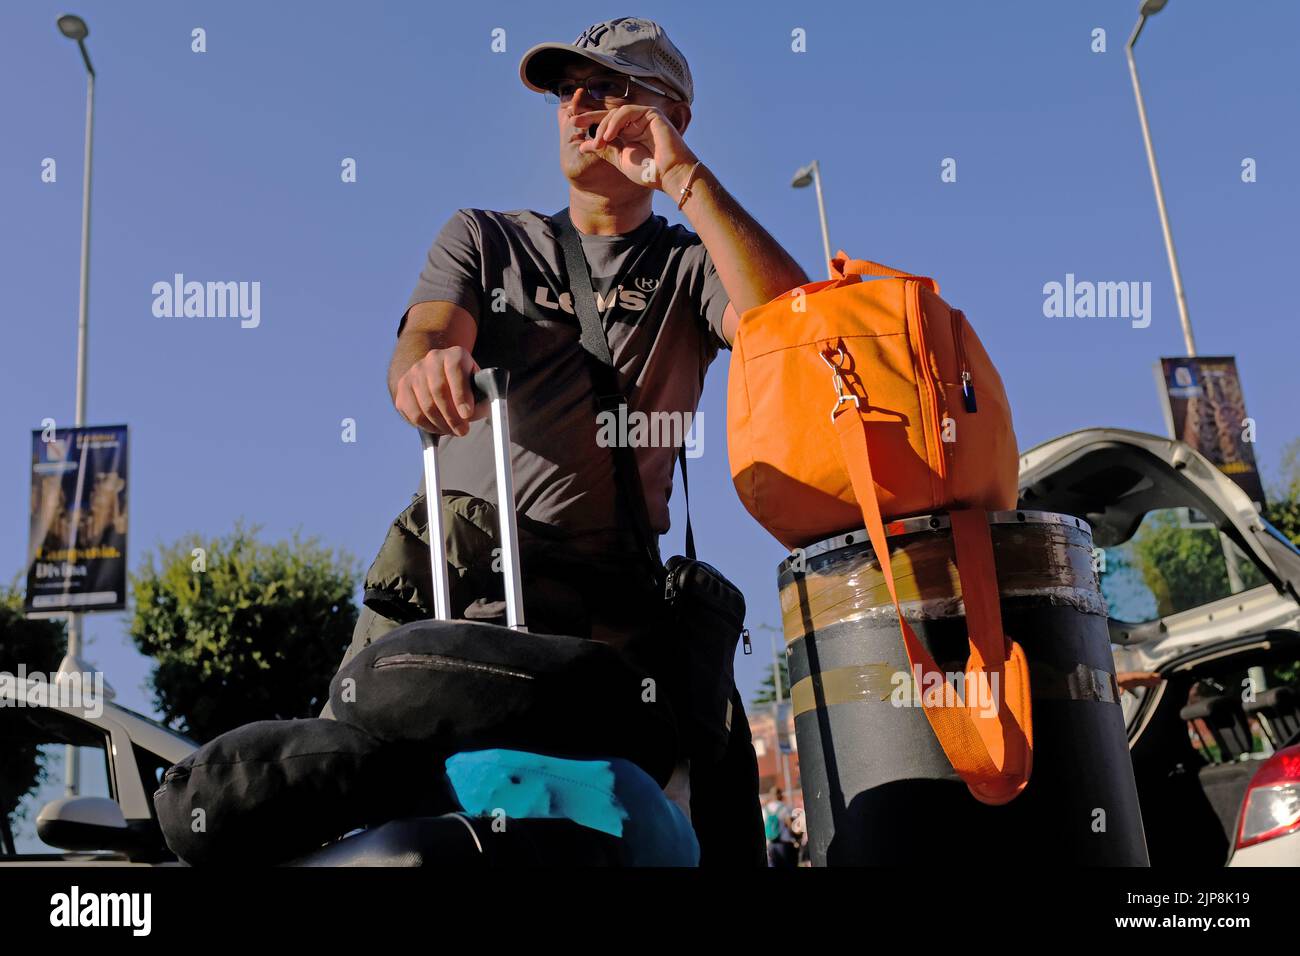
503,688
456,685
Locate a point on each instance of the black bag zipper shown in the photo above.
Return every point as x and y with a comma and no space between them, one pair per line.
454,664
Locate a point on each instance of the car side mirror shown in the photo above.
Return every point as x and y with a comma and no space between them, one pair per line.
84,824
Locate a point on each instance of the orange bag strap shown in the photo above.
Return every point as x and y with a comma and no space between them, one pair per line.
842,267
1009,737
991,753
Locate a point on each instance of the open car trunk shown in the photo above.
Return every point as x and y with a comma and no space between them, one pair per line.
1201,591
1124,483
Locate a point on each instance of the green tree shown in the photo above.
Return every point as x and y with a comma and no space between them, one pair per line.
1283,513
1182,567
1283,509
38,645
242,630
766,693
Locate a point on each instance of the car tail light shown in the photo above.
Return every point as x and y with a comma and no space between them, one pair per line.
1272,807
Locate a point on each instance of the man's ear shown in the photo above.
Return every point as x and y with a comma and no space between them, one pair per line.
679,114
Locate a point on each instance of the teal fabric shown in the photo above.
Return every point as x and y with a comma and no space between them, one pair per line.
614,796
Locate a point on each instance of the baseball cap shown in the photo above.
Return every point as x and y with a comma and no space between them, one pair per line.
627,45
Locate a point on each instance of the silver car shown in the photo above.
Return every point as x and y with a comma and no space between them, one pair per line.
121,757
1204,602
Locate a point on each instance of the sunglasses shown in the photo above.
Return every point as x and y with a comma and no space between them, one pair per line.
603,89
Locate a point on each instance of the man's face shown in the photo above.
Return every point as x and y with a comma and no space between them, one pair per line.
587,168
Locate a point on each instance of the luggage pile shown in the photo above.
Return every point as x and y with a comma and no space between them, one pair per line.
455,742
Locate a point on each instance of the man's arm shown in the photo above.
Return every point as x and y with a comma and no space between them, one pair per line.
751,264
429,374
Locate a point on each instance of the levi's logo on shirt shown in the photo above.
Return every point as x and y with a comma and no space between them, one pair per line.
633,299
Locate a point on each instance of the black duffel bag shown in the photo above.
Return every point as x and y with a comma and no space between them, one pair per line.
275,789
465,685
707,620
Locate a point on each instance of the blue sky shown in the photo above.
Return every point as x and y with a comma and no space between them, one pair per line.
225,166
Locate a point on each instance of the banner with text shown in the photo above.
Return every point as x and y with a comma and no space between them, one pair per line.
1205,407
76,559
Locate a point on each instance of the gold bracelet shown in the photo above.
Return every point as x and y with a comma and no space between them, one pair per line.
686,190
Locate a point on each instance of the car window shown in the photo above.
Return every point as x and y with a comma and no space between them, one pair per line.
175,735
1174,562
151,767
33,757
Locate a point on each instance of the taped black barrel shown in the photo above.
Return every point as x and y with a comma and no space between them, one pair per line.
877,787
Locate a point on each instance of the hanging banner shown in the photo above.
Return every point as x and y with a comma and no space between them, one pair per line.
785,739
1206,408
76,557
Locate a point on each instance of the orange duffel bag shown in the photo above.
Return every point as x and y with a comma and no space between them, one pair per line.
854,402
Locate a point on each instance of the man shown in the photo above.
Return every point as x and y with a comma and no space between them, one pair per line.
781,849
799,828
495,292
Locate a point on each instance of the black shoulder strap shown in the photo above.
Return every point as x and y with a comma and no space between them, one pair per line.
609,395
686,493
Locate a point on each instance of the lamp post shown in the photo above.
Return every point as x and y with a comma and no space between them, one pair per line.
811,174
74,28
1148,8
779,699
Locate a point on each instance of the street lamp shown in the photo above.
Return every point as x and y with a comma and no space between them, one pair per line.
1148,8
811,174
74,28
782,761
776,714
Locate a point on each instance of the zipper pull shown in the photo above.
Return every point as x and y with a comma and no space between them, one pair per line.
744,636
968,392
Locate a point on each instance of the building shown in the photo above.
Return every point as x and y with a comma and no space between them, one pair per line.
771,773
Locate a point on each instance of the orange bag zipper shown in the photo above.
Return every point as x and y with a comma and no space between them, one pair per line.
925,373
963,365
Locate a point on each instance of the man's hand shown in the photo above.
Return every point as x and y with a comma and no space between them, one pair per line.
642,142
1127,680
436,394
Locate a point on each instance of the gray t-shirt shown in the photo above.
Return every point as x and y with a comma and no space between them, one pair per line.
664,326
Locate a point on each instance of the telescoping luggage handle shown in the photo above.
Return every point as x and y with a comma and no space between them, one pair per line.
490,384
